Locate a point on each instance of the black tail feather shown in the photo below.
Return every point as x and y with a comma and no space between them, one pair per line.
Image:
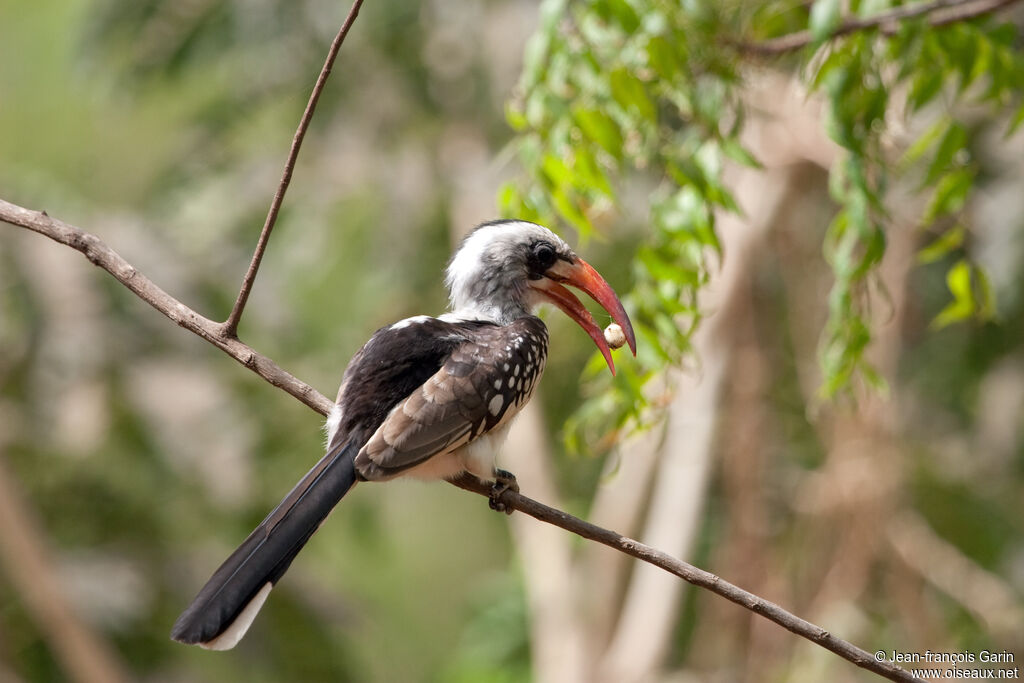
246,576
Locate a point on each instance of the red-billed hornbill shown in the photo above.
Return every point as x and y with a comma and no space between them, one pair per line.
426,397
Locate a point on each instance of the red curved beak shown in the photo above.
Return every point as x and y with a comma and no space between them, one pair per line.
583,276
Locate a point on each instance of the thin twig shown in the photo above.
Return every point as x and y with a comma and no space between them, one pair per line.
107,259
942,12
230,326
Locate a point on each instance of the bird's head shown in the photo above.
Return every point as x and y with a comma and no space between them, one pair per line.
505,269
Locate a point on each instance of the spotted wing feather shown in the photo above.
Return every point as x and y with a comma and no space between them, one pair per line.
482,384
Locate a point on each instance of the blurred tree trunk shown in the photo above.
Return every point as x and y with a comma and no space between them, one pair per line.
83,655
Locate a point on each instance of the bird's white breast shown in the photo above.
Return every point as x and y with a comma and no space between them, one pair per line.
333,422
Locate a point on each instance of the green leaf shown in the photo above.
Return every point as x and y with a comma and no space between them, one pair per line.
950,194
600,128
986,295
740,154
982,58
1016,121
556,171
824,19
926,141
1004,34
838,247
847,335
662,58
874,380
685,212
662,270
960,42
1002,75
591,173
538,47
944,244
836,60
568,209
617,12
629,92
509,200
596,364
874,250
685,171
952,142
925,87
515,118
958,279
536,111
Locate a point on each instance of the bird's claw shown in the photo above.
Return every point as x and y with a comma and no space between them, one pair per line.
503,481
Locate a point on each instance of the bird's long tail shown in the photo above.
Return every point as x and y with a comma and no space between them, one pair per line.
226,606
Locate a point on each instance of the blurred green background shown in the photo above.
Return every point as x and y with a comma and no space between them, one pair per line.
138,456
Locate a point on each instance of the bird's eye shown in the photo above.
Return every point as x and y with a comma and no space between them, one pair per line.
542,257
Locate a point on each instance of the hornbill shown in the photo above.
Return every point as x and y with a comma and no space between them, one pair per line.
425,397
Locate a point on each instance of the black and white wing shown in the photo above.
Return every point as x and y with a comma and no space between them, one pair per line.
484,381
392,365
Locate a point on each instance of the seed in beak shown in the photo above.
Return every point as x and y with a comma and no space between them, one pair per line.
614,335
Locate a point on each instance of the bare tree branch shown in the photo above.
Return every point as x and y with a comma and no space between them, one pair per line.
231,324
694,575
941,13
107,259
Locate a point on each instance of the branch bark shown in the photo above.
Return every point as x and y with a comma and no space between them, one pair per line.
694,575
230,328
939,12
217,334
106,258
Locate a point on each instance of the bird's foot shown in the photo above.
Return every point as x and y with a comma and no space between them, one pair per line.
503,481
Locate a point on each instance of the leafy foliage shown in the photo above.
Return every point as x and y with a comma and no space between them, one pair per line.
611,90
617,94
862,90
